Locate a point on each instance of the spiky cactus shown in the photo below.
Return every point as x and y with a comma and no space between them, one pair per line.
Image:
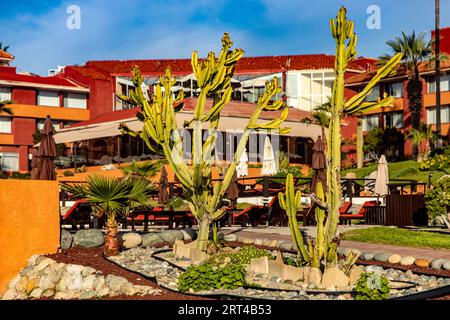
160,130
291,203
342,31
359,145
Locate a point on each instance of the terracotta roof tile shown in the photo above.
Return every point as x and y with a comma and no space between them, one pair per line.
56,81
246,64
232,109
90,72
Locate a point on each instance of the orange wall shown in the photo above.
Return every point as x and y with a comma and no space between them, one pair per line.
60,113
29,218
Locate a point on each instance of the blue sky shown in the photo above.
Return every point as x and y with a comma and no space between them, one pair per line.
117,29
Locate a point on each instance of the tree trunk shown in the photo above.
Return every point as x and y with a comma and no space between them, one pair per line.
203,233
414,89
112,244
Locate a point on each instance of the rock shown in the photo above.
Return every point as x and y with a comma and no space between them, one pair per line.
446,265
46,283
258,242
275,269
151,239
230,237
170,236
186,236
131,240
247,241
12,284
66,239
407,261
189,251
312,276
31,284
90,238
44,264
334,277
437,263
273,244
394,258
87,283
382,256
10,294
367,256
36,293
87,271
115,282
48,293
22,284
423,263
88,295
376,269
285,245
355,274
192,233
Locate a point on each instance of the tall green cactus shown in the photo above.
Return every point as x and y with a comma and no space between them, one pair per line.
359,145
342,31
160,130
291,203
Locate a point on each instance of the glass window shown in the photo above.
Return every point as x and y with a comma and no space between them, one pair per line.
445,115
291,85
374,95
445,83
370,122
431,116
395,89
9,161
5,125
5,93
48,98
394,120
75,100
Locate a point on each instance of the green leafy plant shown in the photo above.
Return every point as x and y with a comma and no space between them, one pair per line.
438,162
144,169
437,198
68,173
371,286
20,175
208,276
247,253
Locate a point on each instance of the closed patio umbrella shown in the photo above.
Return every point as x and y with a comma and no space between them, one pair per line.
242,166
269,166
232,192
35,164
382,179
163,194
47,152
319,165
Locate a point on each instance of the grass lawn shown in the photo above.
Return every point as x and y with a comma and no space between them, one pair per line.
399,237
399,170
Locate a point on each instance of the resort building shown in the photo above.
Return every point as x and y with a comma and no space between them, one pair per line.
306,81
399,115
33,98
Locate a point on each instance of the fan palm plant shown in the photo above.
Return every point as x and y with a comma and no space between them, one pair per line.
112,197
320,116
144,169
415,49
423,133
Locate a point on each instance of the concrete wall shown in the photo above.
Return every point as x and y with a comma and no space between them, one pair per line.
29,220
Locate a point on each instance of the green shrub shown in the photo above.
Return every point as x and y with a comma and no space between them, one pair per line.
438,162
68,173
246,254
21,176
371,286
208,277
437,199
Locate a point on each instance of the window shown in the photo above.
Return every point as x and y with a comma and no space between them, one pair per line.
374,95
5,93
445,83
394,120
48,98
9,161
291,85
5,125
445,115
40,124
395,89
370,122
75,100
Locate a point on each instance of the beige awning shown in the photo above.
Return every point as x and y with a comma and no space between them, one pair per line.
111,129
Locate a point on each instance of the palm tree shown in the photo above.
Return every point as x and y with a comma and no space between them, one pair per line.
112,197
423,133
320,116
144,169
4,109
